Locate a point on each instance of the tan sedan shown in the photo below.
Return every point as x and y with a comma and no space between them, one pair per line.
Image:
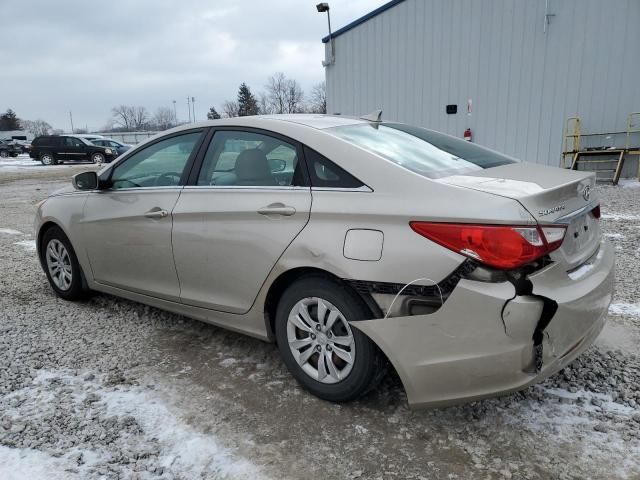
352,244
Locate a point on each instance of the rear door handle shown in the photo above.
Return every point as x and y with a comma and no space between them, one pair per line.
277,209
156,212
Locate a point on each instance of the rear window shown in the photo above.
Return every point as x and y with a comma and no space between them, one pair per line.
428,153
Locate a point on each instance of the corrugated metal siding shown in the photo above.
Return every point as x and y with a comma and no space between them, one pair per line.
421,55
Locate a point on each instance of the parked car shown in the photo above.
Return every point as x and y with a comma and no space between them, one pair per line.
53,149
118,147
9,148
349,243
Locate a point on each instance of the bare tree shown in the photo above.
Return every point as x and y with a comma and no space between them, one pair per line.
36,127
140,118
123,116
319,98
163,118
230,108
284,95
264,106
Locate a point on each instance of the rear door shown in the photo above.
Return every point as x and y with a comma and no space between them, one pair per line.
246,204
127,228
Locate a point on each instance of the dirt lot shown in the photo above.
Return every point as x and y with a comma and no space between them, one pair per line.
113,389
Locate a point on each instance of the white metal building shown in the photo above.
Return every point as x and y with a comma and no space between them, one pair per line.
521,67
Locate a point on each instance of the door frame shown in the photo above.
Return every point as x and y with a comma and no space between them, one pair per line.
192,180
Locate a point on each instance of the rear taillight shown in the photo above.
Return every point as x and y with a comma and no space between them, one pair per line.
499,246
596,212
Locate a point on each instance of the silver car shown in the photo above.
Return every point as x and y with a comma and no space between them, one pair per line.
353,244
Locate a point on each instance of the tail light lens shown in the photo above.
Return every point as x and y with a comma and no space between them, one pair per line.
596,212
500,246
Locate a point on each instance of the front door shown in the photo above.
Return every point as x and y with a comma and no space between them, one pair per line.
249,203
73,149
127,228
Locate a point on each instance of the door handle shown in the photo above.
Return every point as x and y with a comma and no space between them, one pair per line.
277,209
156,213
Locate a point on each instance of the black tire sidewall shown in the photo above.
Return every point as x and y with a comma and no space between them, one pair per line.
77,290
368,360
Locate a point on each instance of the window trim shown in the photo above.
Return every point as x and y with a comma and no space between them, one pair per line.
363,188
106,176
197,167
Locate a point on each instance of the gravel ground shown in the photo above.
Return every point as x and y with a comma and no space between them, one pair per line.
108,388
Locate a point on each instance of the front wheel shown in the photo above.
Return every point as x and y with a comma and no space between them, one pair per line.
97,158
47,159
329,357
62,266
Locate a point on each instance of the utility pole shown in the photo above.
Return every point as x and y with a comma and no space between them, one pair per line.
189,108
175,113
71,118
193,105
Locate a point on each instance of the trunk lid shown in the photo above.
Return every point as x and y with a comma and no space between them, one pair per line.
551,195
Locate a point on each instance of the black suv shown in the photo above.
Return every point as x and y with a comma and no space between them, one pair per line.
53,149
9,149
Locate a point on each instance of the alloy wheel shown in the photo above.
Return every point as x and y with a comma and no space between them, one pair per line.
321,340
46,159
97,158
59,264
4,153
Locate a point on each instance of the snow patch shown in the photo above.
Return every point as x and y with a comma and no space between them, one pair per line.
28,464
29,245
614,235
629,183
619,216
184,449
10,231
629,309
227,362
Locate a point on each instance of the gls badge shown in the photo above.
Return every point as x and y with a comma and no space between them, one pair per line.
586,193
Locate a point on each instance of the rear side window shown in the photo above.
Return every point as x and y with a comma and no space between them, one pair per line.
326,174
428,153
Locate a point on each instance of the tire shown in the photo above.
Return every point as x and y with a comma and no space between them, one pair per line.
14,154
346,381
47,159
97,158
4,154
56,247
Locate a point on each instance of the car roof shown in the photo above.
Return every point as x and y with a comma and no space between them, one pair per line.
318,121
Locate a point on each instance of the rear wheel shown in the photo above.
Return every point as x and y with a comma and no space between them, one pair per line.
62,266
47,159
331,359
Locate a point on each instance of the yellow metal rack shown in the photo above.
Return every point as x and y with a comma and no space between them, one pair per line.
583,156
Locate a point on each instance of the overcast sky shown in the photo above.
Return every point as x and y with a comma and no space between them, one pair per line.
89,56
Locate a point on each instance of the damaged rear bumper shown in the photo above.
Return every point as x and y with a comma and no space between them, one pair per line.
480,342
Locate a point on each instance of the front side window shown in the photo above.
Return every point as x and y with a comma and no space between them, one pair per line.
73,142
428,153
158,165
236,158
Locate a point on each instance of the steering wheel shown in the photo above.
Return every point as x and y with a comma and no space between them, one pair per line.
166,179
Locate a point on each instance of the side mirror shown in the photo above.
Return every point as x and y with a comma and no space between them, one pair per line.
85,181
277,165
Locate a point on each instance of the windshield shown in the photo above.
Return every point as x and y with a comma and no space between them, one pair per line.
428,153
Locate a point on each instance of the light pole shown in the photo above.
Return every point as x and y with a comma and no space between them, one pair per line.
175,113
189,108
193,105
71,118
324,7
